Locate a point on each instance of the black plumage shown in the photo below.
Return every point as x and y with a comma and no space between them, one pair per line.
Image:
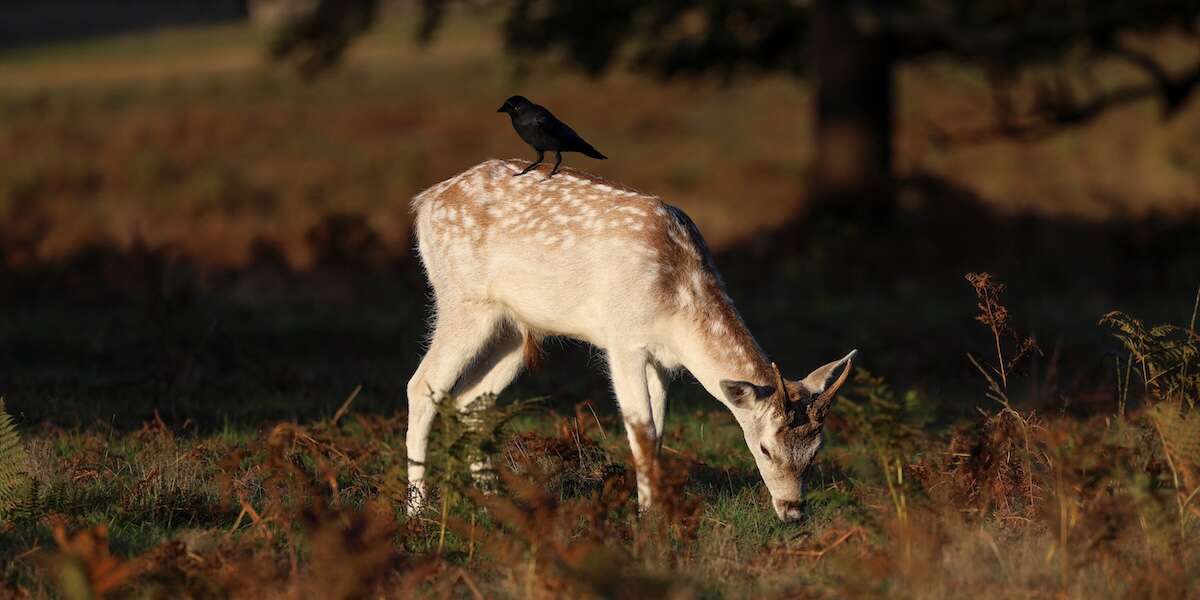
542,130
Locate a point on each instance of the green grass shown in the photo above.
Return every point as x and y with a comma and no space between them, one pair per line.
157,488
179,41
983,495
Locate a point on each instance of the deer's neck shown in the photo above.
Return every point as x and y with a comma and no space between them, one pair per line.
717,345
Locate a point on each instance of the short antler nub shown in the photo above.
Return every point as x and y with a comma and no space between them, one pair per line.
780,387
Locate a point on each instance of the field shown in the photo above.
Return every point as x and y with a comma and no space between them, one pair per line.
210,310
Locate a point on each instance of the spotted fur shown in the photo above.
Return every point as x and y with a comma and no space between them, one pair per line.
514,259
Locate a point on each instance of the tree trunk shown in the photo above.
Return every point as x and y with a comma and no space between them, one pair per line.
852,68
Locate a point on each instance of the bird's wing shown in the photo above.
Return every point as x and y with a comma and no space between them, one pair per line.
564,134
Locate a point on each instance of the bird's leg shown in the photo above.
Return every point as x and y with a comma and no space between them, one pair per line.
557,161
541,155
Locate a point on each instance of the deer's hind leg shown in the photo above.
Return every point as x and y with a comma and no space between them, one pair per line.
459,337
656,385
486,377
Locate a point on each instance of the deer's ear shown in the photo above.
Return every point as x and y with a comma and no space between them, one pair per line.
818,381
824,387
743,393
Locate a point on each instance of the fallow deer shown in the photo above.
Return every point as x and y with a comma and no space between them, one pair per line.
514,259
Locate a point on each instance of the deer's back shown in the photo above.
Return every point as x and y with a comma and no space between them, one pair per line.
545,244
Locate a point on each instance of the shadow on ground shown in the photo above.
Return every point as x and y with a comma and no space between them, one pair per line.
114,335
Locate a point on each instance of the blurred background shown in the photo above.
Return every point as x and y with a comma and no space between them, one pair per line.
203,204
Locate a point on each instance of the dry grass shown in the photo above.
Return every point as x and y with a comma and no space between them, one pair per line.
159,138
1003,504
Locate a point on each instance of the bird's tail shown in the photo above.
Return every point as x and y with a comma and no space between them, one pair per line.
592,152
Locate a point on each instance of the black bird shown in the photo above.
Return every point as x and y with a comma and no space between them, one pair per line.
543,131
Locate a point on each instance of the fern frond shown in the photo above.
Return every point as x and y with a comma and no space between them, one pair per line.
18,497
1167,357
1180,433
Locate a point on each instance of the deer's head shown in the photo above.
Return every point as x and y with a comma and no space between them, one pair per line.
783,423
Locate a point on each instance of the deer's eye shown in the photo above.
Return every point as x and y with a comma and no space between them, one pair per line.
763,447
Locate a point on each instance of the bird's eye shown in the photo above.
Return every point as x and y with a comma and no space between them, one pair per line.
763,447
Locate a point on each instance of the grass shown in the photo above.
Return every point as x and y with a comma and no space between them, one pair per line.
1004,503
202,258
189,137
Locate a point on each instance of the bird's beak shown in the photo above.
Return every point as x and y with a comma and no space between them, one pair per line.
501,109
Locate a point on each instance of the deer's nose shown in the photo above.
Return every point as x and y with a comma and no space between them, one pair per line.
788,510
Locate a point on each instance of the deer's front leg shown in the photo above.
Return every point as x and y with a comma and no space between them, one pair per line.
629,382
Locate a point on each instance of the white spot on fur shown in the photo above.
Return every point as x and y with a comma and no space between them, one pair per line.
697,282
684,296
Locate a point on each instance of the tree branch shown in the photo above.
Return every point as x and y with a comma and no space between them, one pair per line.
1057,107
1174,91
